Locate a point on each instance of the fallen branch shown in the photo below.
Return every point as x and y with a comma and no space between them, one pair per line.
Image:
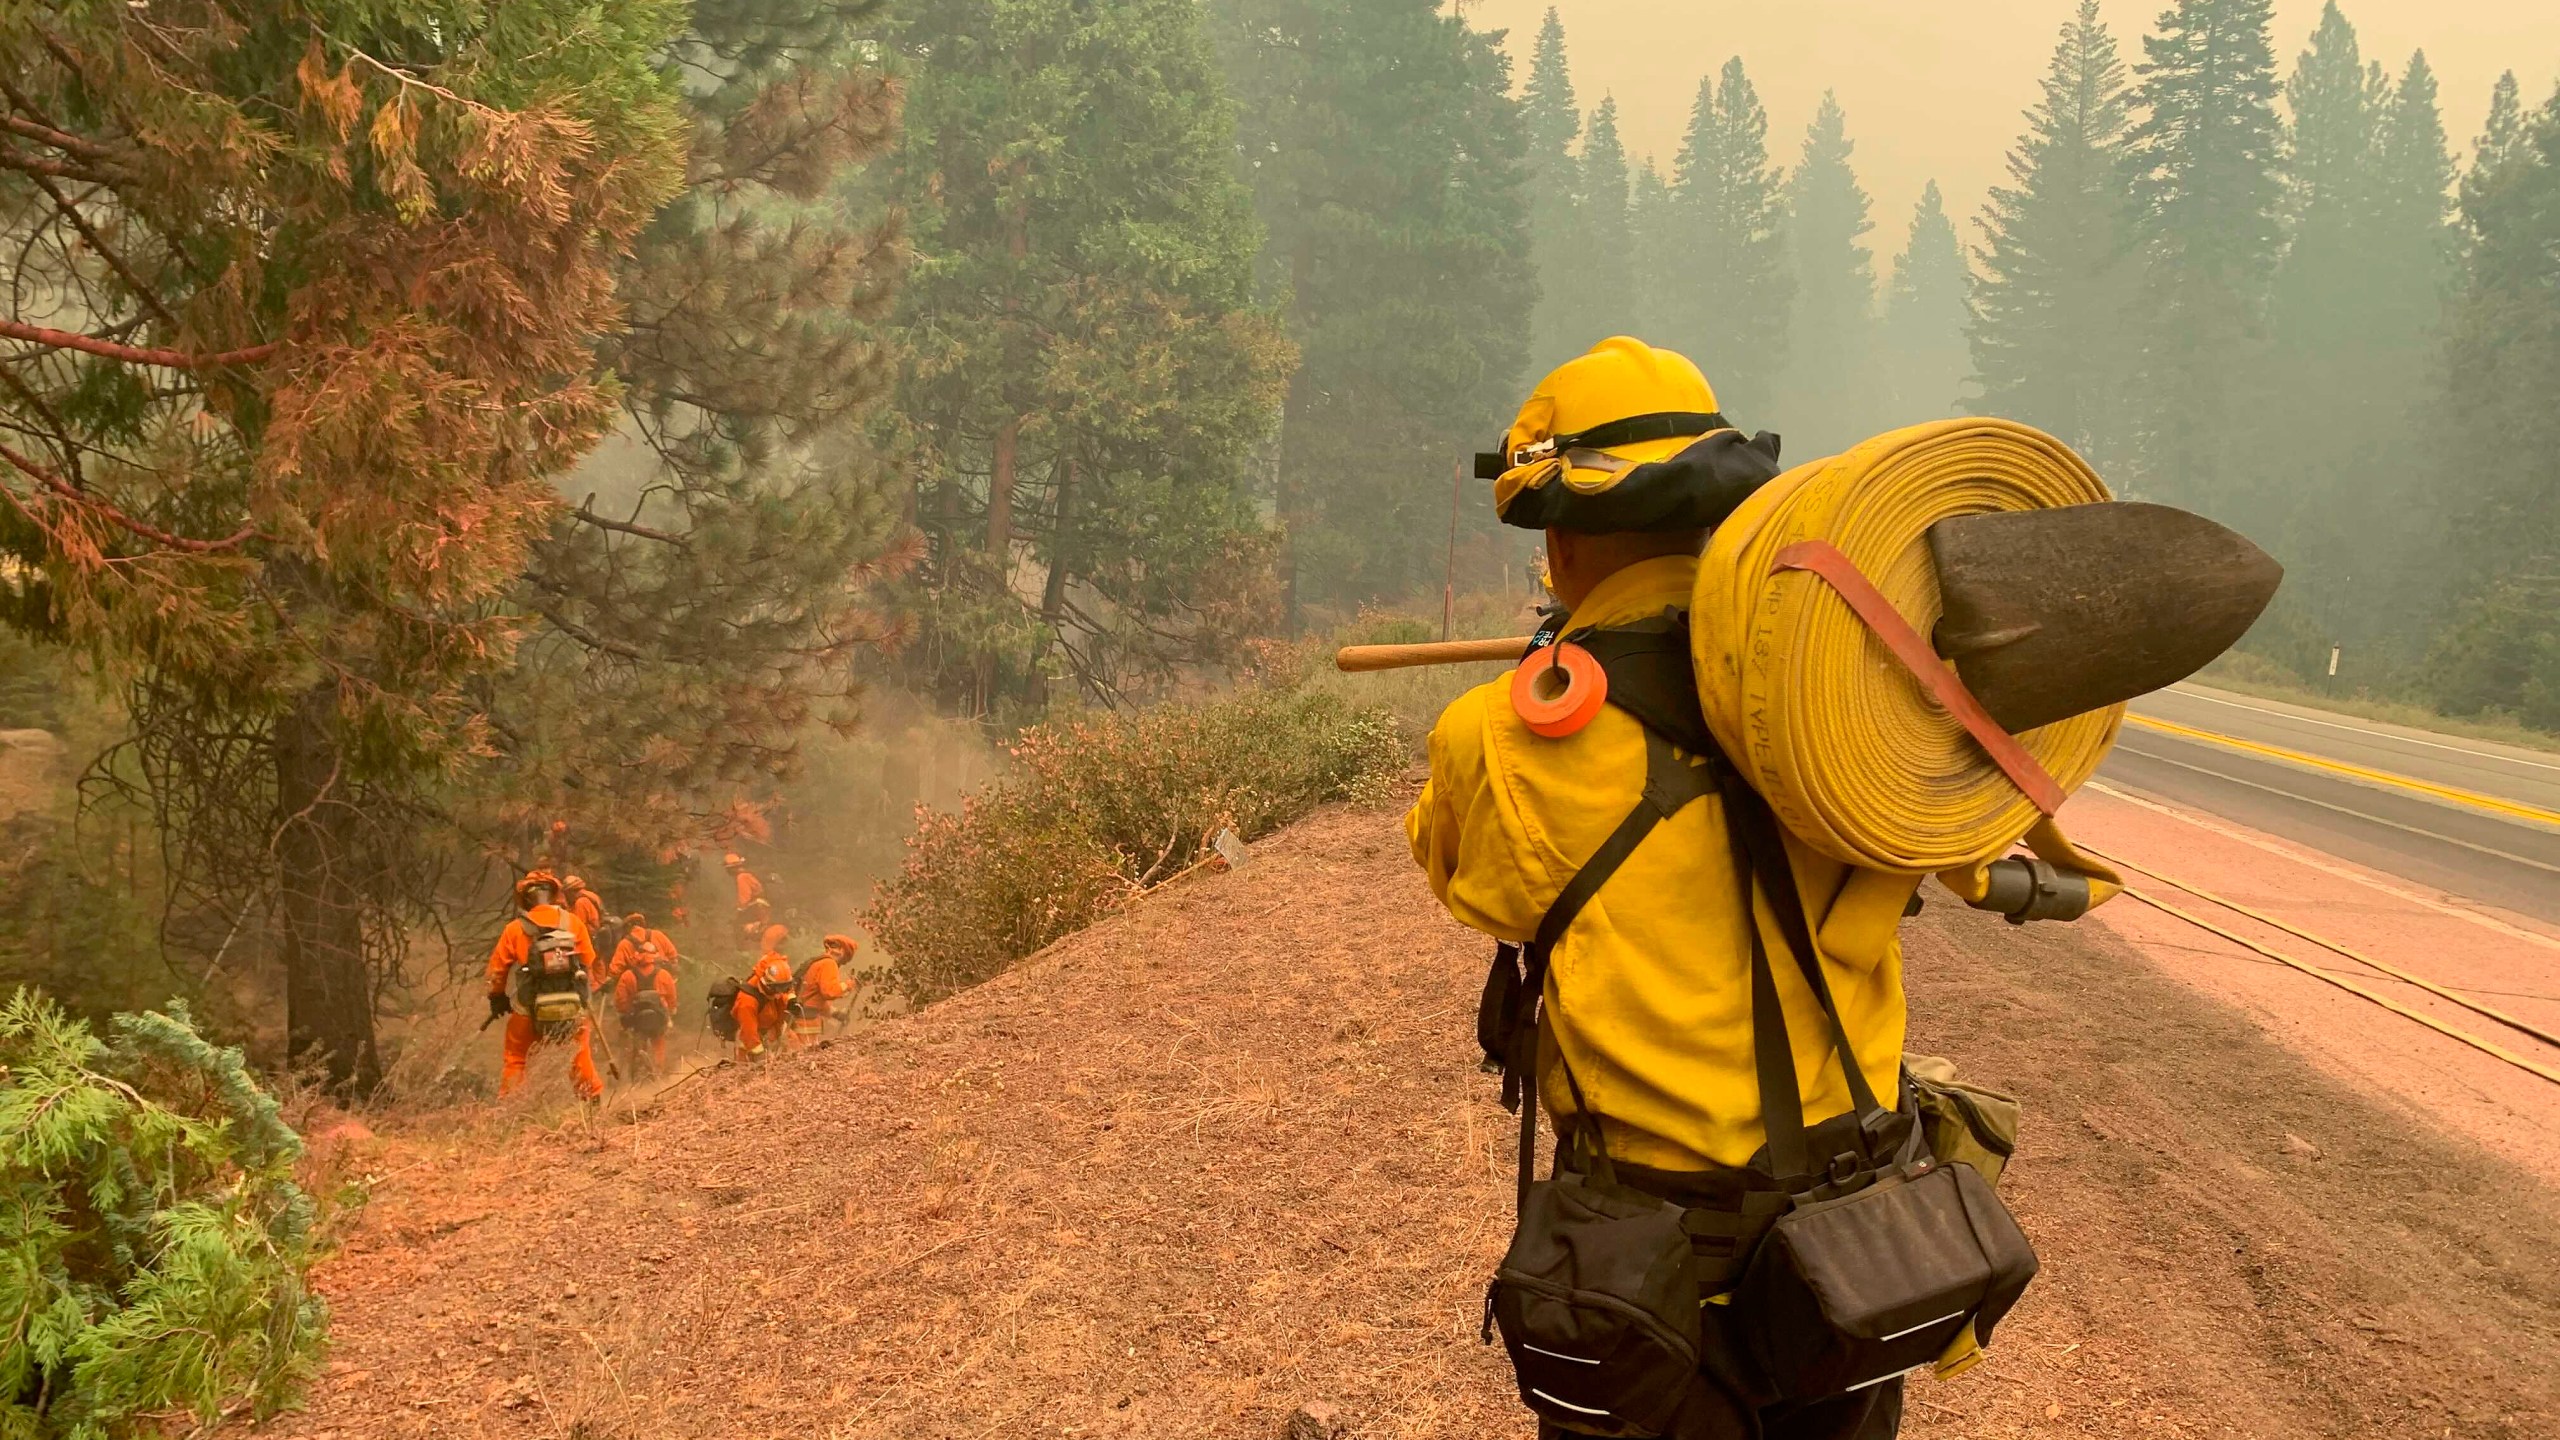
134,354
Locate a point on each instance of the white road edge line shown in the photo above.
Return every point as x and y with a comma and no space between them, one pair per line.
2490,851
2363,730
2317,862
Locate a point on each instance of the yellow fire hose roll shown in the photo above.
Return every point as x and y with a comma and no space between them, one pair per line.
1853,755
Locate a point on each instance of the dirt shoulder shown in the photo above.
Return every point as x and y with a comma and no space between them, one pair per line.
1231,1153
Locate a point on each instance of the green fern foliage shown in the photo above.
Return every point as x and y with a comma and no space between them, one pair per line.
153,1243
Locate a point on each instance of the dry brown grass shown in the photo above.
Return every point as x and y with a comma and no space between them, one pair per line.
1229,1152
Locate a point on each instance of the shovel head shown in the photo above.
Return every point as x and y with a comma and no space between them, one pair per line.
2053,613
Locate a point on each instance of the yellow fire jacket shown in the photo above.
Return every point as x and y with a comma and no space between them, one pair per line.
1649,992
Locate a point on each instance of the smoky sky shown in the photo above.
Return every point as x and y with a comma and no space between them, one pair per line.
1934,88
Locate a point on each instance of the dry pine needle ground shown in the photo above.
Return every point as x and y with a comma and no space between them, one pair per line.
1230,1153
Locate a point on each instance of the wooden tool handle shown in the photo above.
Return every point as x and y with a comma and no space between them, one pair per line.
1356,658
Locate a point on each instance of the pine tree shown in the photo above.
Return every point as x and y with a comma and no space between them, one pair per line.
2204,175
337,338
2333,102
1598,290
1084,369
2055,261
2357,301
2503,142
1727,279
1383,146
702,610
1552,118
1652,235
2500,432
1830,398
1925,358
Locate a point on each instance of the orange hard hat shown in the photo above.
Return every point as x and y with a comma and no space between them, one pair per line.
574,883
733,859
774,935
536,877
636,920
846,943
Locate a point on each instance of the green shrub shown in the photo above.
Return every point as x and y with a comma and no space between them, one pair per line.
153,1244
1096,810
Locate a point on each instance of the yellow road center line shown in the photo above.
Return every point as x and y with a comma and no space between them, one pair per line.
2458,796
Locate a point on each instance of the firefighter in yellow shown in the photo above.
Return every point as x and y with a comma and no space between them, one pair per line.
1623,460
539,974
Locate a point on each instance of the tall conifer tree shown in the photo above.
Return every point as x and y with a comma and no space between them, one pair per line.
1599,288
1830,396
1728,282
2502,433
1924,351
2204,174
1085,369
2056,267
2505,141
1384,148
1552,118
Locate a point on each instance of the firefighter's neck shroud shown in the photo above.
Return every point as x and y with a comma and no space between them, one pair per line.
1624,438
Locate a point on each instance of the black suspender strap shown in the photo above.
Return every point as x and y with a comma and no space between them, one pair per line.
1671,781
1760,856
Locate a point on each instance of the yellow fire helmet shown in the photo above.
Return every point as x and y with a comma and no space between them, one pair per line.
1626,437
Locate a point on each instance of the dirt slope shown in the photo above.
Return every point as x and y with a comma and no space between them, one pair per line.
1231,1153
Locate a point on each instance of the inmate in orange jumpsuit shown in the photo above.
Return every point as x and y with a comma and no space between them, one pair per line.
514,948
753,910
637,939
822,984
764,999
589,908
650,972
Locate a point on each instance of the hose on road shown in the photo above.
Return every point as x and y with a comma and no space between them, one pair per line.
2486,1047
1851,751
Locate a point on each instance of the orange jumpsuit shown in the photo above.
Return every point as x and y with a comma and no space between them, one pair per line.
822,984
627,954
590,912
652,972
514,948
762,1003
753,912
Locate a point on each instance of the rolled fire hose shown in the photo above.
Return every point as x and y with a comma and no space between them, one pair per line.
1853,754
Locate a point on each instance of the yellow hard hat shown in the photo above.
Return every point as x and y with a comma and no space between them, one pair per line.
1625,437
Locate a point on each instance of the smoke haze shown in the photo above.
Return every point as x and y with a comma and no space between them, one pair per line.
1934,90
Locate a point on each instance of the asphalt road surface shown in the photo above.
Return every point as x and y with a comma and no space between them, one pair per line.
2368,793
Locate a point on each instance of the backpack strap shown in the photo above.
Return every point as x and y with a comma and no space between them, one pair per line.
1759,853
1671,782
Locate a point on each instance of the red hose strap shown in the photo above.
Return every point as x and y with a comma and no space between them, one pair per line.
1935,675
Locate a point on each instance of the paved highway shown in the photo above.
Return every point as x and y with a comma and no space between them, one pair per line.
2469,818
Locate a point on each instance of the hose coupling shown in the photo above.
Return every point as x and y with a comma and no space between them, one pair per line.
2024,888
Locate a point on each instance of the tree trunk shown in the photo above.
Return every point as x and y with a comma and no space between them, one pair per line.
1000,487
1289,499
1053,596
328,989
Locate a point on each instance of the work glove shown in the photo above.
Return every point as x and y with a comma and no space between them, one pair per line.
497,1006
